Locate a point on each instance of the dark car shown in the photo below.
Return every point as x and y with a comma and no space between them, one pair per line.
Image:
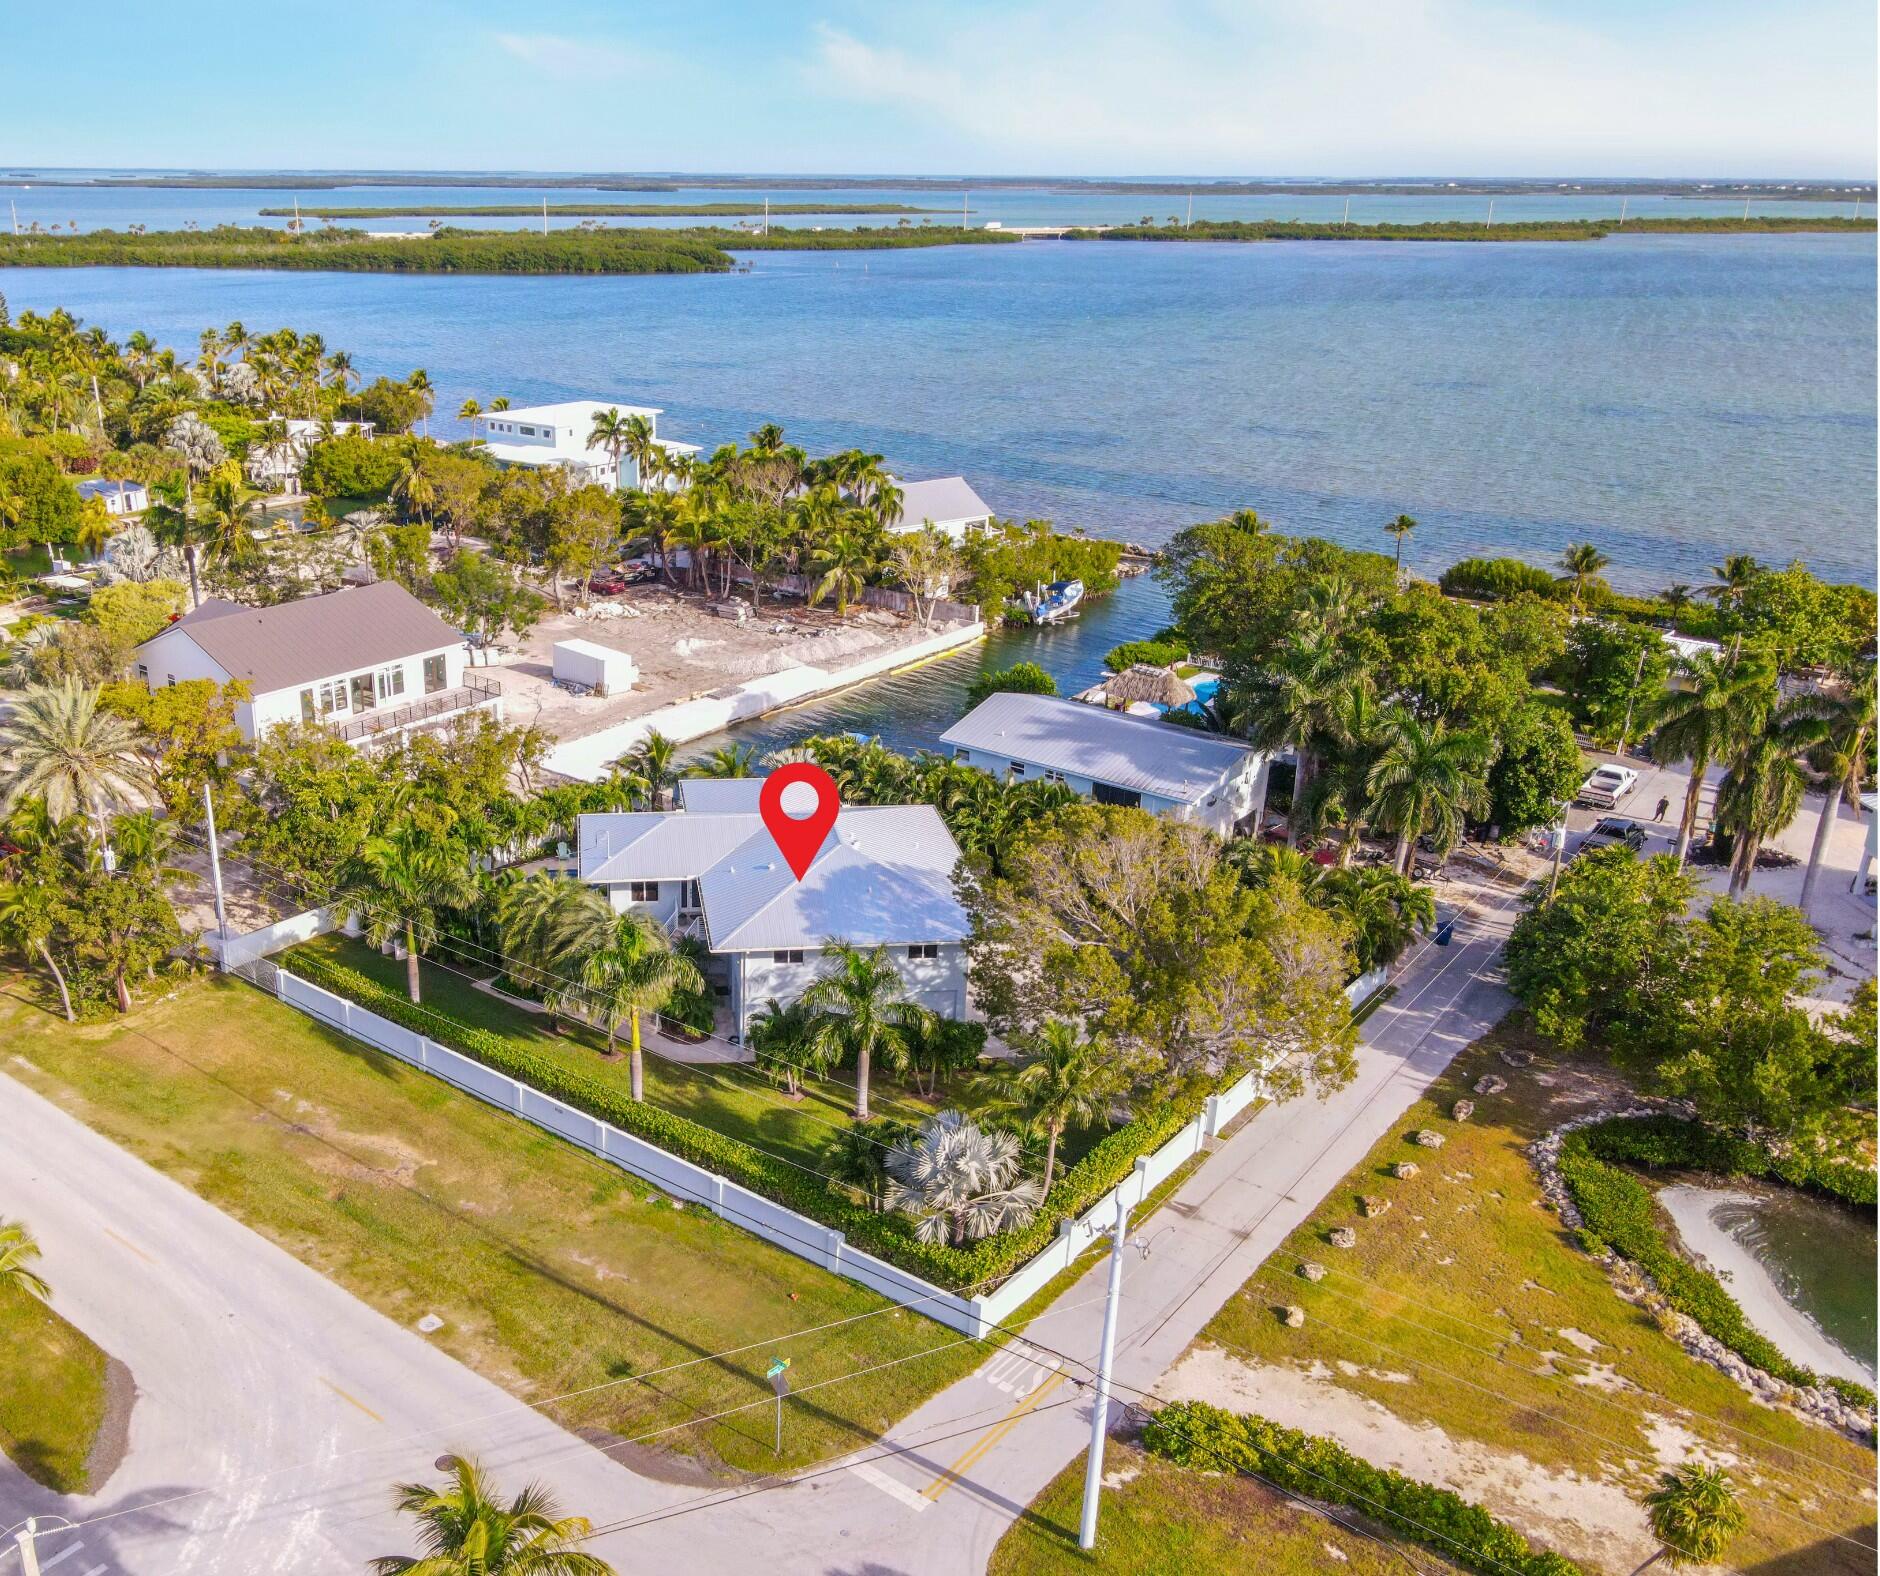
607,582
1610,829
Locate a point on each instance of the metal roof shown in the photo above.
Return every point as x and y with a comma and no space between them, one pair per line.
945,501
1139,753
657,845
318,637
720,795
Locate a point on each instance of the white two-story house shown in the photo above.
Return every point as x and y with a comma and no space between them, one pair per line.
1114,758
561,435
371,662
883,877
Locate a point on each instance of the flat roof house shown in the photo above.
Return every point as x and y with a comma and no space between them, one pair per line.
372,662
540,436
1114,758
947,502
117,497
883,877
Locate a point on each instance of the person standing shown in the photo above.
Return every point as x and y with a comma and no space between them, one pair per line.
1663,805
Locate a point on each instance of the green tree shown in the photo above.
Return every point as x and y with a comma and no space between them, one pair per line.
625,966
465,1530
1580,565
397,884
1838,735
1294,703
1398,529
1694,1514
1385,911
1705,716
31,907
1761,793
38,501
1426,781
483,598
1021,678
651,768
18,1252
1538,769
60,745
1615,674
130,613
584,532
841,567
1065,1081
786,1045
724,761
120,926
861,1003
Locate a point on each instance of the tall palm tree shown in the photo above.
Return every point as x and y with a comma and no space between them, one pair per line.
1761,793
1676,598
646,451
841,566
420,384
471,412
398,884
227,518
727,760
1295,702
1694,1514
1066,1081
1400,527
625,966
861,1004
651,767
1426,780
609,432
58,746
1705,718
1838,737
18,1250
1730,581
961,1180
465,1530
1579,565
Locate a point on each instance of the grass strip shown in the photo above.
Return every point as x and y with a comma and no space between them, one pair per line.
52,1393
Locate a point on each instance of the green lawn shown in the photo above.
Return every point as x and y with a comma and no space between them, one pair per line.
52,1393
736,1101
551,1269
1164,1520
1472,1289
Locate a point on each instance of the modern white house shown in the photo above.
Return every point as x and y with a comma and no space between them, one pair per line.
371,662
278,464
1114,758
541,436
118,498
948,502
883,877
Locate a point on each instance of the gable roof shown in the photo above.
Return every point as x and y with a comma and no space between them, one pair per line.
318,637
1139,753
719,795
657,845
943,500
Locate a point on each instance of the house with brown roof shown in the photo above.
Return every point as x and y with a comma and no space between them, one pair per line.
370,662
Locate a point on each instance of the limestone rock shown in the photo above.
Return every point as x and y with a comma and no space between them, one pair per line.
1311,1271
1462,1110
1374,1206
1427,1139
1294,1315
1405,1169
1490,1084
1344,1237
1515,1058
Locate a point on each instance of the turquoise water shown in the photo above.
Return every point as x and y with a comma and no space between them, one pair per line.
1671,399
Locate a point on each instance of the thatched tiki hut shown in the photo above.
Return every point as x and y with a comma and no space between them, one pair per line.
1143,682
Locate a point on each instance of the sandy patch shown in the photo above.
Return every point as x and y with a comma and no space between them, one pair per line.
1579,1338
1586,1519
1673,1445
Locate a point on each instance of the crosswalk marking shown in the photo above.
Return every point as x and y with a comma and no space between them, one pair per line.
894,1488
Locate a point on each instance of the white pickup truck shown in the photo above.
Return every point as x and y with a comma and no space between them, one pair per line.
1607,786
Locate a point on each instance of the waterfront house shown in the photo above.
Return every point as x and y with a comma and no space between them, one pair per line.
883,877
371,663
118,498
1114,758
947,502
276,466
545,436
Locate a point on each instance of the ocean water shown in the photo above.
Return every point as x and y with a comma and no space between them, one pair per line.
1671,399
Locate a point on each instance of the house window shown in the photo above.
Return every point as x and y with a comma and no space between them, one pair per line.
332,698
787,955
1053,777
433,674
962,755
643,891
923,949
143,672
391,682
1016,769
363,699
306,706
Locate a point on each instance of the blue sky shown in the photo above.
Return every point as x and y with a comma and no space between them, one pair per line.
1197,87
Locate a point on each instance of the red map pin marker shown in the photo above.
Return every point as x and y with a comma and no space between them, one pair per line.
799,837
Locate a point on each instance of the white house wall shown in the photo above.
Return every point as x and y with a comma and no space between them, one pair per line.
1231,799
936,983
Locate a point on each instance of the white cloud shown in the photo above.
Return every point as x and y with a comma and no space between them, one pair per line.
1370,86
585,59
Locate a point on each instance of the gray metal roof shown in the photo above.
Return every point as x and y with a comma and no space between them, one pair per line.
318,637
943,500
658,845
720,795
1139,753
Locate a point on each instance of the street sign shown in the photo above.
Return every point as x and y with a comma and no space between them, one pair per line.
778,1373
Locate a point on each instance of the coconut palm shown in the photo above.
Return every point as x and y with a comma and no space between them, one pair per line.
1066,1081
1761,793
531,917
1730,581
786,1044
609,432
841,566
1295,703
650,767
471,412
227,518
1386,911
59,746
625,965
727,760
1838,736
1426,780
1399,528
1694,1514
412,488
18,1250
1706,717
1579,566
398,884
1676,598
861,1004
646,451
466,1531
962,1181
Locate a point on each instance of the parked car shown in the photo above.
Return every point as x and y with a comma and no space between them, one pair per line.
1610,829
607,582
1607,786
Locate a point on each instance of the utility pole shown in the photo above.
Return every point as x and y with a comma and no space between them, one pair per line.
1100,1410
215,880
1745,207
1631,699
1347,219
1490,220
1559,834
23,1540
1622,203
1191,210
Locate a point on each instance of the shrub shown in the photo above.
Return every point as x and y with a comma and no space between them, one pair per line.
1157,653
1495,579
1021,678
1194,1434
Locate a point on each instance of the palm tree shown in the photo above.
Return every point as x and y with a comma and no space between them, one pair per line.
1694,1514
397,884
727,760
1386,911
18,1249
841,566
1295,703
471,412
860,1002
532,916
1706,718
609,432
1067,1081
962,1181
58,746
1400,527
786,1044
649,765
27,924
199,445
1761,793
625,965
1580,564
420,384
1426,780
1676,598
646,451
1730,580
465,1531
1840,732
227,517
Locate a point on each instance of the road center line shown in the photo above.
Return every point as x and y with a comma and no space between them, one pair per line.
127,1244
351,1400
991,1437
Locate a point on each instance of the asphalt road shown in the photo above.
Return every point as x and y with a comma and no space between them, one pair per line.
275,1410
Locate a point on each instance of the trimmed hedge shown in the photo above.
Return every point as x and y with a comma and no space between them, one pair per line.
1205,1438
1619,1212
888,1236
